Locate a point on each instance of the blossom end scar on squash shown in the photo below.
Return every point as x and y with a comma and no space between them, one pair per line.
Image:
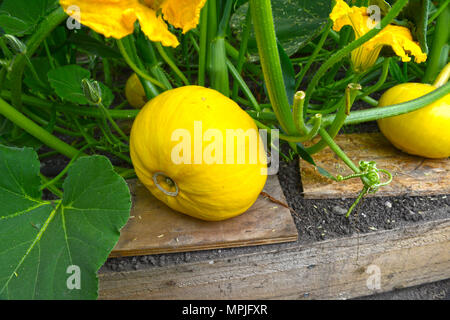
169,181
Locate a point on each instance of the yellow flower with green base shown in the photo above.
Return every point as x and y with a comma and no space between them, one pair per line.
116,18
397,37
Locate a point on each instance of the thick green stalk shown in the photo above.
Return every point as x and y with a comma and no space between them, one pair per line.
440,38
264,28
218,71
35,130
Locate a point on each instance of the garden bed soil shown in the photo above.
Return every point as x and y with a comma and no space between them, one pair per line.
316,220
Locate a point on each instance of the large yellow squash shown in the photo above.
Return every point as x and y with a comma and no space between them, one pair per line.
424,132
184,149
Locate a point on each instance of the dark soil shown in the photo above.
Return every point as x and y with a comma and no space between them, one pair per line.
316,220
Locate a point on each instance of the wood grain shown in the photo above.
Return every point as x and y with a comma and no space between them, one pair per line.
413,176
155,228
332,269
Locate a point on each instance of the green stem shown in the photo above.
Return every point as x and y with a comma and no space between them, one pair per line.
82,111
242,50
345,105
440,38
297,111
438,11
380,82
295,139
203,45
171,64
336,149
264,28
313,56
239,81
135,68
50,22
47,184
442,77
35,130
111,120
51,188
218,71
49,56
393,110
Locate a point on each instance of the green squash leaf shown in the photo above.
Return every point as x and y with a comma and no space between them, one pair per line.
66,81
93,46
296,23
20,17
47,246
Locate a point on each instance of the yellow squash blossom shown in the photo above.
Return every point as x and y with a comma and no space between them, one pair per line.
365,56
116,18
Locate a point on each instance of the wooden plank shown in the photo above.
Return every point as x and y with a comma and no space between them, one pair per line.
413,176
332,269
155,228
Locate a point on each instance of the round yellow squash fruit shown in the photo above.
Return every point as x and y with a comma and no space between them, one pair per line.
199,152
424,132
134,92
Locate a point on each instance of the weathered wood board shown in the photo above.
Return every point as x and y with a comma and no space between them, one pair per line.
340,268
155,228
414,176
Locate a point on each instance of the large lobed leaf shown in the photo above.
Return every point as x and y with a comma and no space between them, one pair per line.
40,240
20,17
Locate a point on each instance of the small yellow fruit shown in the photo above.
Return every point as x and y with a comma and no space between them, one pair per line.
134,92
424,132
184,150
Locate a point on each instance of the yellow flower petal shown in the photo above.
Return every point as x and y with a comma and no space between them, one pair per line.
105,16
399,38
116,18
356,17
182,14
401,41
154,27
